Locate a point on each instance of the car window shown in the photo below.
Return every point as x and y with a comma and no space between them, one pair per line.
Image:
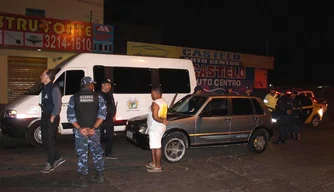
242,106
309,95
306,101
258,109
217,107
301,94
188,105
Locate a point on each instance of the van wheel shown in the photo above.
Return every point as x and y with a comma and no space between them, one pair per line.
35,134
174,147
258,141
315,122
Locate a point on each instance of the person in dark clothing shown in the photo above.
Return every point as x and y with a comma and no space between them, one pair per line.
108,124
294,110
248,92
283,119
51,106
86,111
230,91
198,90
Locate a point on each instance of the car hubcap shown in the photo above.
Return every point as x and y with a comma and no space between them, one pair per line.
259,142
175,149
38,135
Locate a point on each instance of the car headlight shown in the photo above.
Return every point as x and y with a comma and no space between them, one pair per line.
10,113
142,129
273,120
320,112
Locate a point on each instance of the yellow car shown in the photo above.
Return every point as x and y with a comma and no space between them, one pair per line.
312,111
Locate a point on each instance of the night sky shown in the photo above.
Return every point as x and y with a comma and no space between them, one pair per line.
301,45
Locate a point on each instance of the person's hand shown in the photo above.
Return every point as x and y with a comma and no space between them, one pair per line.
288,112
114,119
52,118
91,131
165,122
84,131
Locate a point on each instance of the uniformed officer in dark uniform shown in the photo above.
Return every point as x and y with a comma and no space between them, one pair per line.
51,106
108,124
248,92
283,119
294,110
86,111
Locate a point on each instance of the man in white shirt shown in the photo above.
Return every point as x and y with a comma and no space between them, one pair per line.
156,123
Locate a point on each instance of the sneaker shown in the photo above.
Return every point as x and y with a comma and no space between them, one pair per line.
98,177
111,157
155,170
47,169
150,166
79,180
58,162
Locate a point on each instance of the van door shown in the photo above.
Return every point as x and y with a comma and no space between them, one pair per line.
69,83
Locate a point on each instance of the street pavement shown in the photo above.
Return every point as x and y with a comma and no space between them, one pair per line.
305,165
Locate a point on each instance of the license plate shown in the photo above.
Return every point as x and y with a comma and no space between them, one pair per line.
129,134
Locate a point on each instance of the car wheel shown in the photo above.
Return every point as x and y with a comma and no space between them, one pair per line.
174,147
35,134
315,122
258,141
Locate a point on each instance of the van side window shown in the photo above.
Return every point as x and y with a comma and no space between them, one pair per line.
242,106
60,83
174,80
131,80
72,83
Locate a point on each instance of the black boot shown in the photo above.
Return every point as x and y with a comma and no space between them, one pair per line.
80,180
98,177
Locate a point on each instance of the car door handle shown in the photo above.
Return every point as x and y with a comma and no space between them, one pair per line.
227,119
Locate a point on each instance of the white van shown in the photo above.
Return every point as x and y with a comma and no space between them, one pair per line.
132,78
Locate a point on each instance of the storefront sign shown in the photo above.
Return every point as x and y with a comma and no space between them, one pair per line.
45,33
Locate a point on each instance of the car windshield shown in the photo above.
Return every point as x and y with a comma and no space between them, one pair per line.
189,104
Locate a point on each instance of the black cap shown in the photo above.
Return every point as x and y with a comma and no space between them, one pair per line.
106,81
198,88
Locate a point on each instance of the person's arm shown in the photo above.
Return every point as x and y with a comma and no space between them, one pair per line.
113,105
56,97
155,110
102,113
71,117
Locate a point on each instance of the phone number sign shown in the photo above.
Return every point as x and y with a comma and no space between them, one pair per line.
45,33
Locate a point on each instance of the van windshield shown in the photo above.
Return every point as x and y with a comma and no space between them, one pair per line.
36,89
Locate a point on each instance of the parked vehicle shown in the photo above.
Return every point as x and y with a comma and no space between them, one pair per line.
312,111
132,79
198,120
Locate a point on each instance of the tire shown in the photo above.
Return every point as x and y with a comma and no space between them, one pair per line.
35,134
174,147
258,141
315,122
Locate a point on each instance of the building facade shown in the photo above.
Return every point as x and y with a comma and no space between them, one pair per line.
39,34
215,70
